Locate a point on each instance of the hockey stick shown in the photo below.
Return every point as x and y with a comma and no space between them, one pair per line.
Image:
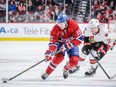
103,68
9,79
4,80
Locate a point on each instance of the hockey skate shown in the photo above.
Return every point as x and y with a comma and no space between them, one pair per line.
91,71
65,74
75,69
44,76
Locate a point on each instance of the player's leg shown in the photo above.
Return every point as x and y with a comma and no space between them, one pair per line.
84,52
75,69
92,68
99,52
73,61
58,58
81,59
73,55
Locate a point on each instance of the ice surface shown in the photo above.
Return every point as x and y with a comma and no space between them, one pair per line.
16,56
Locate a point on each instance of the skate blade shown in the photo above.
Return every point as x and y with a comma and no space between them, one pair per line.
87,76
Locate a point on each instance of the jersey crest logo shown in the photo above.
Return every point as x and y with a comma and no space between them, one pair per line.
91,39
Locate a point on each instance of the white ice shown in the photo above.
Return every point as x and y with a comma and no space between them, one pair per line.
16,56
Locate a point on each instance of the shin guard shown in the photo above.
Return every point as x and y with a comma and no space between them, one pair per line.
72,62
58,58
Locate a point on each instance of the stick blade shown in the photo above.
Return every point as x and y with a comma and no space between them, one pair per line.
113,76
4,79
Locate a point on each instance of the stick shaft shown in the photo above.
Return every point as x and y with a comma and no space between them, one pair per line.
101,66
32,66
26,70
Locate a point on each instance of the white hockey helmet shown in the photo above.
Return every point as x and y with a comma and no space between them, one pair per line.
94,23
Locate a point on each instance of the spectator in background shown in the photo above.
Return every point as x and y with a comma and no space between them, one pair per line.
92,14
12,6
47,15
37,2
56,12
104,3
110,17
50,2
107,13
60,3
30,6
103,10
68,7
2,10
12,17
112,4
96,7
100,17
21,7
2,5
39,11
114,12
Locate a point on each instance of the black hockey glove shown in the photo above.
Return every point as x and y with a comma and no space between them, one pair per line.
86,49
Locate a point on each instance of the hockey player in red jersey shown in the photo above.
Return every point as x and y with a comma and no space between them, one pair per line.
65,34
96,41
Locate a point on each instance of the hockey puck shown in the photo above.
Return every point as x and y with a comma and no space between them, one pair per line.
4,81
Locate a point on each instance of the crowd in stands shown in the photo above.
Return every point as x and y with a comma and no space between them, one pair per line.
48,10
103,10
36,10
2,10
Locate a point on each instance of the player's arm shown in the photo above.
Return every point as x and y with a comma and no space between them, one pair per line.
77,36
54,37
52,45
76,40
107,39
86,40
87,45
106,43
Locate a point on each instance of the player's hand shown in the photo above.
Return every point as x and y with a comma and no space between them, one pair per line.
86,49
68,45
48,55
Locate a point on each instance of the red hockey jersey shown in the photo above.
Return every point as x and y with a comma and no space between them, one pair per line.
72,33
